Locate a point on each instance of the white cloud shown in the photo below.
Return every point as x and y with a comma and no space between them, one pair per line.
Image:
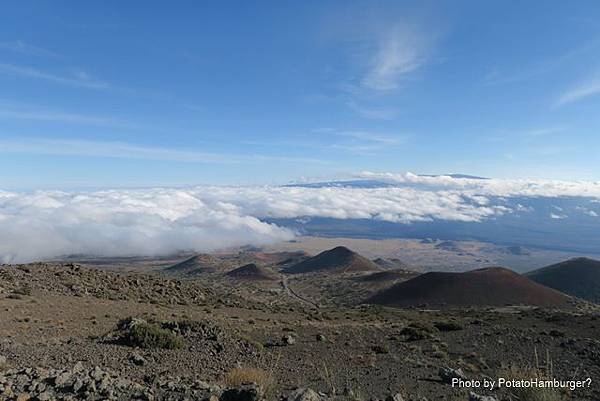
42,115
349,141
382,48
494,187
587,211
68,147
400,51
366,142
78,78
499,76
120,222
373,113
557,216
13,111
48,224
585,90
383,139
389,204
20,46
539,132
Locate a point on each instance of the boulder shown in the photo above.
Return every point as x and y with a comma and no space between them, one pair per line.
447,374
137,359
304,394
245,392
288,340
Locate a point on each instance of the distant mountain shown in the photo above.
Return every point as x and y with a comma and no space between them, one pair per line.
469,177
345,184
495,286
202,263
252,271
579,277
339,259
366,183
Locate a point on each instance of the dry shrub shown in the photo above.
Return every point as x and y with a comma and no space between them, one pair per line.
534,393
540,371
244,375
448,326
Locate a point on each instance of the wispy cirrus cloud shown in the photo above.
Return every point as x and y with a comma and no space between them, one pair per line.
14,111
401,50
373,113
41,115
385,55
125,150
82,79
77,78
348,141
22,47
382,49
367,142
579,92
374,137
545,131
527,134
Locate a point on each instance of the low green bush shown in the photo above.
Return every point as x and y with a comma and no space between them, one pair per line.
448,326
146,335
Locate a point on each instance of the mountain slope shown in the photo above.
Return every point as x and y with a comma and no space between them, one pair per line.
495,286
338,259
579,277
252,271
387,276
201,263
276,258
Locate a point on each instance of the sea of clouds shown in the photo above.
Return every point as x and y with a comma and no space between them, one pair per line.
49,224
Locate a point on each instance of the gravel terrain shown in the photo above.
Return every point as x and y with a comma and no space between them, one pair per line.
70,331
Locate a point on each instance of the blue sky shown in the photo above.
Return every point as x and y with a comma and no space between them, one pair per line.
117,94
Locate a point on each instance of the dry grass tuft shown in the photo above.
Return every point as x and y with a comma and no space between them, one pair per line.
533,393
541,371
243,375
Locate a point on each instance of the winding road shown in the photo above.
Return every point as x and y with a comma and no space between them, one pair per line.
290,291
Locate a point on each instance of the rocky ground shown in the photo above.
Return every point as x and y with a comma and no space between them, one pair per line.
73,332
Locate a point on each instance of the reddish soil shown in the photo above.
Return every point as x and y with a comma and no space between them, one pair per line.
579,277
493,286
253,272
391,275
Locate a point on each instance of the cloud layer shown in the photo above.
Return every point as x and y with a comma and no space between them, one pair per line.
49,224
492,187
118,223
